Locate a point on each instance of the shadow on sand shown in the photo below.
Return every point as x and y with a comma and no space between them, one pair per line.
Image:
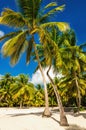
26,114
81,114
74,127
31,113
70,127
55,120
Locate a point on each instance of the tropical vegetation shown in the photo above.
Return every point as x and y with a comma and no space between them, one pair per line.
32,19
11,92
55,47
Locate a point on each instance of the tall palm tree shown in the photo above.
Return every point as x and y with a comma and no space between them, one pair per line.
75,61
51,55
32,19
67,59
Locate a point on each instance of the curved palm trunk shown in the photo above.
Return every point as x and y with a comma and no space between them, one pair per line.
78,93
46,111
63,119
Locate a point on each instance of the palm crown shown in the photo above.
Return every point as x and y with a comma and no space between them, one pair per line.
30,20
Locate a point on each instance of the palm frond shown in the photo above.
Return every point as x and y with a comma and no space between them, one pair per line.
29,50
59,61
83,83
29,8
52,11
82,57
76,65
13,44
9,35
67,43
50,5
62,26
50,48
69,35
17,54
82,45
11,18
72,38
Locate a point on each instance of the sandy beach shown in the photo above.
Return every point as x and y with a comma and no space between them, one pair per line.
31,119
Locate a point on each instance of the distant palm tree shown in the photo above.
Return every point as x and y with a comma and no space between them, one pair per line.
32,19
52,96
38,99
22,89
5,93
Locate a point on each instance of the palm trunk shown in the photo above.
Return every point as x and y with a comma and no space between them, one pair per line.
63,119
21,104
46,111
78,93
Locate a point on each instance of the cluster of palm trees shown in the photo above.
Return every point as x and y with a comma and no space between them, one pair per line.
55,46
18,91
15,91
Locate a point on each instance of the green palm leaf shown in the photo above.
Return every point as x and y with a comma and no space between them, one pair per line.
10,47
50,5
29,50
51,12
9,35
76,65
83,83
17,54
83,45
82,57
11,18
62,26
29,8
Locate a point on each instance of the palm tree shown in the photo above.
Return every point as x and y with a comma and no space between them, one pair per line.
68,89
51,54
75,61
5,93
38,99
52,97
22,89
63,119
31,20
72,60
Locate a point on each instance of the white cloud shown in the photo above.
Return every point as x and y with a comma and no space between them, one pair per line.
1,33
37,78
1,76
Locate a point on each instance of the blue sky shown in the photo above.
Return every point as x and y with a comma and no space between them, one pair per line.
74,14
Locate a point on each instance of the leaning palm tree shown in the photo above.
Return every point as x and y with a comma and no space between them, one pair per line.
51,55
32,19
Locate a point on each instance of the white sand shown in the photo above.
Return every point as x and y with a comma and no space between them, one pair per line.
31,119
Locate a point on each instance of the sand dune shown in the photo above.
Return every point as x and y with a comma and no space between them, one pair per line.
31,119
